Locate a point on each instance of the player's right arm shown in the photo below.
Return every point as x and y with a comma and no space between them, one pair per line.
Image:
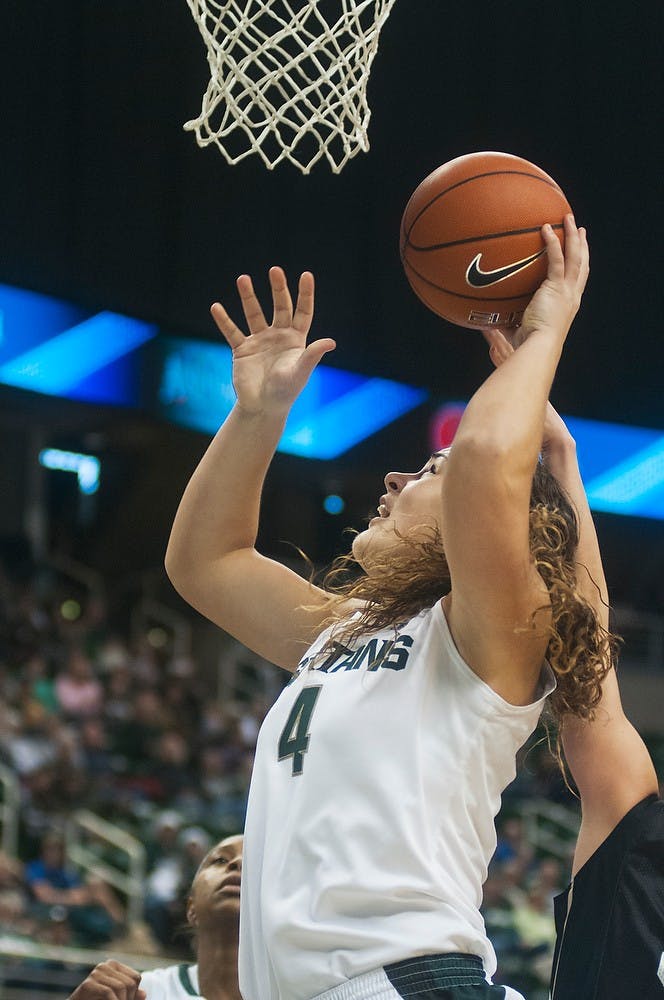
211,557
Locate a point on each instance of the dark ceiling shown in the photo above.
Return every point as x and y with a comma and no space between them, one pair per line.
108,202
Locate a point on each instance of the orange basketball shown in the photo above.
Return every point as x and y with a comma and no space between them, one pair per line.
471,242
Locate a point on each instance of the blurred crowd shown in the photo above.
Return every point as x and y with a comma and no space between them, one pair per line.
134,732
518,908
124,728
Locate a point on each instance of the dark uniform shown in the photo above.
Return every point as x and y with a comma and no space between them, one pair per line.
610,946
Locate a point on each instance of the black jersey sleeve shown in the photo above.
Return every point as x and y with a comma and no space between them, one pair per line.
610,920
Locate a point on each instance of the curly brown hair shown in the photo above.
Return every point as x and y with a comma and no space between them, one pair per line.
413,576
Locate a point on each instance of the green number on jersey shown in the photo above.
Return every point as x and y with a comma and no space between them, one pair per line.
294,739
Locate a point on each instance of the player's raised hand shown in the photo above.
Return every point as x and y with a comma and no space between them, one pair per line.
110,981
556,302
272,362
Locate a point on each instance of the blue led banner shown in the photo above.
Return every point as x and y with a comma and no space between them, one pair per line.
622,467
336,410
53,347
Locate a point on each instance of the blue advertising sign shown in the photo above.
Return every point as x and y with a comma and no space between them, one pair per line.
622,467
55,348
336,409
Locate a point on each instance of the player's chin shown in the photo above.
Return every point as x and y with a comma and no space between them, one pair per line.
227,901
364,542
373,542
359,546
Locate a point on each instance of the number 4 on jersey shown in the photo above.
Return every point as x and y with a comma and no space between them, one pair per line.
294,739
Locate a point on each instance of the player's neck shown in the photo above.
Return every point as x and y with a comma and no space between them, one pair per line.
217,968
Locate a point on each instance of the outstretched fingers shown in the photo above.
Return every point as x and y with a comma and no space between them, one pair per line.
283,317
314,353
251,307
283,304
304,313
232,333
304,309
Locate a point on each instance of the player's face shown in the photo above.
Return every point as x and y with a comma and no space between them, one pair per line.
413,499
216,885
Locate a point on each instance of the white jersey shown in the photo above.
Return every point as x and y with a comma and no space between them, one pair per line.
176,982
370,824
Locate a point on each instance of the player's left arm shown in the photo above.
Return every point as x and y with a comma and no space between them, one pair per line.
607,757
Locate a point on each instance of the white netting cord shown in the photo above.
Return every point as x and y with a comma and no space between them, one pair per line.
288,79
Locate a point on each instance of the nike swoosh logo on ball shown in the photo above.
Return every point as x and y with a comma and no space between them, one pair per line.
477,278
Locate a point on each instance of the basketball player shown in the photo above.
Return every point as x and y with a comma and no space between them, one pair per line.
610,920
213,910
379,770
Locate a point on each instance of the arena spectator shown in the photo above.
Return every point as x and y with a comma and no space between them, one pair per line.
38,684
94,758
535,925
194,843
550,878
79,693
14,916
31,741
118,699
109,762
165,877
91,907
171,765
512,844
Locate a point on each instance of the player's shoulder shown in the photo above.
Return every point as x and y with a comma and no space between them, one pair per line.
613,908
653,810
172,982
640,828
644,821
648,831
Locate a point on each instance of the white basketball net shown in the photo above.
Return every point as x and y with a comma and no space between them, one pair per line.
288,78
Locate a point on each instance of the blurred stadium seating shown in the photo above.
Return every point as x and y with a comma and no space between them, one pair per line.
130,734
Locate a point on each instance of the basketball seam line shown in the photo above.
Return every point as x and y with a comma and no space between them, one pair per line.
467,180
473,239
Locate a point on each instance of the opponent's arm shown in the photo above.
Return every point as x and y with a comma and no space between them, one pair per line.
487,484
607,757
211,557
